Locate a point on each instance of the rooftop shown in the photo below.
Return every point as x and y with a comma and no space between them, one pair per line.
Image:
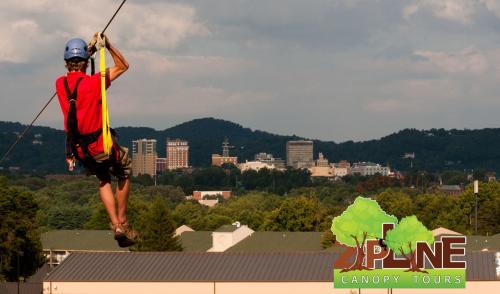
196,241
279,242
200,267
483,243
80,240
221,267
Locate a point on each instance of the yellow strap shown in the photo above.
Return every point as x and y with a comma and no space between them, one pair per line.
107,140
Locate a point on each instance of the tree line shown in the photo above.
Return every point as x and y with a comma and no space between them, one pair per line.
287,201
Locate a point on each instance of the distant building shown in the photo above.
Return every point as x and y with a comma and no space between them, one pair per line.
227,236
199,195
144,157
161,165
322,161
269,159
369,169
299,154
182,229
209,198
454,190
255,165
177,154
321,168
219,160
341,169
491,176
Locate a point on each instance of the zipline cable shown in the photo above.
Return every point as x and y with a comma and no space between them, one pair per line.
28,128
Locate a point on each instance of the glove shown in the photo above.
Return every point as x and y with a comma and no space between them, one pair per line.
71,163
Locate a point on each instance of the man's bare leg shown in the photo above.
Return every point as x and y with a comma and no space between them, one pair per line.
108,199
122,191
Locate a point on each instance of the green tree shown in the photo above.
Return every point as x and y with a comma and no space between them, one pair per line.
189,213
396,202
296,214
212,222
362,219
404,237
157,228
328,239
441,210
488,216
249,209
19,235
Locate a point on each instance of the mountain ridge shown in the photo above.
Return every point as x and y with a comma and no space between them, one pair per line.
435,149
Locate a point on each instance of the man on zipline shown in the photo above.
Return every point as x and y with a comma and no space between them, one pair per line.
80,99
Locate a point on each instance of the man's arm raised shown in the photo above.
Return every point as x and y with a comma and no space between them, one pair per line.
121,64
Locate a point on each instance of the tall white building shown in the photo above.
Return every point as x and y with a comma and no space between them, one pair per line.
177,154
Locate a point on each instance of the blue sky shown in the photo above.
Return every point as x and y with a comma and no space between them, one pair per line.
334,70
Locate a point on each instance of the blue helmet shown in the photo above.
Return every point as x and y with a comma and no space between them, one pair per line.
76,48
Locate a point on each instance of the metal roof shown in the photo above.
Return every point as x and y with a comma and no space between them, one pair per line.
190,267
481,266
279,242
196,241
222,267
483,243
85,240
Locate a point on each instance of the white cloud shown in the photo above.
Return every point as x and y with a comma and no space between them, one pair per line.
30,29
187,66
468,61
460,11
159,25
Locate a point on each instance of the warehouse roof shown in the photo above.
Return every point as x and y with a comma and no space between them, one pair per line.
222,267
184,267
483,243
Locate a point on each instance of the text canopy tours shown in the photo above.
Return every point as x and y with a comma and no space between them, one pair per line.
382,253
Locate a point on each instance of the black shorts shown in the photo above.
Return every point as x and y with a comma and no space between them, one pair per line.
118,164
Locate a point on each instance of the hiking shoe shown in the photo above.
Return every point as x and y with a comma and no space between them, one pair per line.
124,235
131,234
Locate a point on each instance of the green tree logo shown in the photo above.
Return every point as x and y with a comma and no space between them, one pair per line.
404,237
362,219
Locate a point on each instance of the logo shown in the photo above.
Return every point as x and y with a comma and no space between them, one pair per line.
384,253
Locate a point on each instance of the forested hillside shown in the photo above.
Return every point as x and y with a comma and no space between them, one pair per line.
435,150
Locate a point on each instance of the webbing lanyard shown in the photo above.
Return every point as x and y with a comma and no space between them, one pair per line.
107,140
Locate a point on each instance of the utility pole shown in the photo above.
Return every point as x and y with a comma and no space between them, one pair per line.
476,191
18,270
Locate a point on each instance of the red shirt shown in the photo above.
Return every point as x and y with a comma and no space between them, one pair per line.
88,105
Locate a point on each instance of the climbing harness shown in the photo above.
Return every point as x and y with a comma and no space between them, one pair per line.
75,139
